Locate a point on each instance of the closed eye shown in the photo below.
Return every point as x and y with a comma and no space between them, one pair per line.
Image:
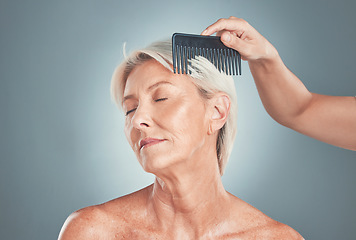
134,109
130,111
160,99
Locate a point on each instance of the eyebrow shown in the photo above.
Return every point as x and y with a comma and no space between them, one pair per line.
150,88
157,84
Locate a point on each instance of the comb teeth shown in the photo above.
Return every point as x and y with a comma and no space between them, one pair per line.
189,46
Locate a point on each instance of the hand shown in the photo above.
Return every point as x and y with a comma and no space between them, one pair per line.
238,34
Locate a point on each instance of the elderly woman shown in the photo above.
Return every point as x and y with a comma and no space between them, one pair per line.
181,128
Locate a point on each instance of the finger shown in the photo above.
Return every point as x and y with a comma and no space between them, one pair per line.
221,33
232,24
234,42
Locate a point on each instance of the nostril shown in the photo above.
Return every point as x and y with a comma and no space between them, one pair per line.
141,119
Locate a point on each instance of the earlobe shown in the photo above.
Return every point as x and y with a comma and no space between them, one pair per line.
221,110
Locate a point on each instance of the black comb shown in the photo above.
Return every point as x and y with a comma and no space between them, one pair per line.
188,46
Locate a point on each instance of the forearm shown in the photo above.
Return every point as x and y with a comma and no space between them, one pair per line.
283,95
330,119
286,99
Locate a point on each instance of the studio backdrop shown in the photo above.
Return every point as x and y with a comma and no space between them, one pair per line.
62,145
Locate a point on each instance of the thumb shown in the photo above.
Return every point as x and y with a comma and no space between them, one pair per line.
232,41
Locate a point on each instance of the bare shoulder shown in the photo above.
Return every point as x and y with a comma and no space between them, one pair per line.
85,223
277,230
103,221
253,224
270,230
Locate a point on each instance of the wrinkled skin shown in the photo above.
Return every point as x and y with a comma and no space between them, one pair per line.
178,130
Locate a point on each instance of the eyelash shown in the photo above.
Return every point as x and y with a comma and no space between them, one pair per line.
160,99
130,111
157,100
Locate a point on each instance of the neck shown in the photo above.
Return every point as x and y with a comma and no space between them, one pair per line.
190,200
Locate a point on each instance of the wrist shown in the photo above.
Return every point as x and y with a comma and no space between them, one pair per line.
268,54
269,59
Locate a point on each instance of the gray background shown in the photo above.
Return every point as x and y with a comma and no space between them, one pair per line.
62,142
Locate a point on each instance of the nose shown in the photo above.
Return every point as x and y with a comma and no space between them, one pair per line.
141,119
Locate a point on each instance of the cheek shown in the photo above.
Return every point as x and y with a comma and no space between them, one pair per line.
184,119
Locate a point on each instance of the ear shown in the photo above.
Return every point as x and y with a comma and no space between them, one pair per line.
220,105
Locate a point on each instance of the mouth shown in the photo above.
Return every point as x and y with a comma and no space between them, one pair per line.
147,142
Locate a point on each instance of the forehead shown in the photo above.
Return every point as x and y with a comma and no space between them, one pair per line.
147,74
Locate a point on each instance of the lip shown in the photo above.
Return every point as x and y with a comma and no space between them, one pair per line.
146,142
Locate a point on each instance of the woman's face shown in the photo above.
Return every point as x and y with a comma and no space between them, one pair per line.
166,120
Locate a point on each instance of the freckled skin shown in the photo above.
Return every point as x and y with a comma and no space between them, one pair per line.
187,199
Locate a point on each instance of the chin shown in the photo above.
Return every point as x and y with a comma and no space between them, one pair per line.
158,161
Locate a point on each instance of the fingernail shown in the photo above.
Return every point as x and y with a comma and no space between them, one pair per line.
204,32
226,37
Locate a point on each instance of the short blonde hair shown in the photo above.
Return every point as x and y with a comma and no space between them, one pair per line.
204,75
